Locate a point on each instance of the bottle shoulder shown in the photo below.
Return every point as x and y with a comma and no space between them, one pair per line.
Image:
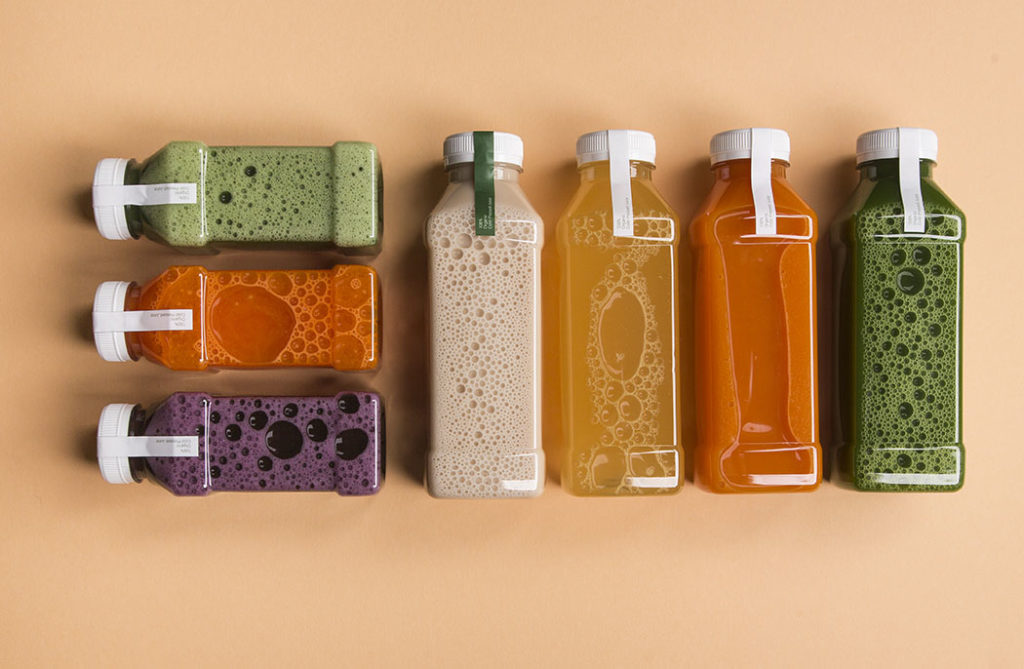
183,402
515,217
587,219
732,200
876,207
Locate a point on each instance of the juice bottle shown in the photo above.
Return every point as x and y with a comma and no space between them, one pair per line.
194,443
755,322
484,242
899,247
192,318
619,308
199,198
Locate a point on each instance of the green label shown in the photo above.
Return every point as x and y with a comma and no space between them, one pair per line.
483,182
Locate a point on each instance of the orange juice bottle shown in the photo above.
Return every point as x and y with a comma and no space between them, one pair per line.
190,318
619,305
754,321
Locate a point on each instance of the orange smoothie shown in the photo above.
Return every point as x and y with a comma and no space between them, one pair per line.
295,318
755,325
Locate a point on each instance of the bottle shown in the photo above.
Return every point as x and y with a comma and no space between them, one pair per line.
190,318
755,322
899,249
194,443
484,243
619,309
198,198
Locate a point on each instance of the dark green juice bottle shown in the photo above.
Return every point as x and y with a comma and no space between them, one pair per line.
899,257
198,198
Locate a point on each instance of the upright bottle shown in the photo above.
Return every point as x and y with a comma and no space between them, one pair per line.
899,247
190,318
194,443
755,322
198,198
484,242
619,307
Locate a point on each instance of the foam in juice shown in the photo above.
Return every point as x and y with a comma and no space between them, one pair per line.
191,318
619,309
484,288
899,245
194,443
200,198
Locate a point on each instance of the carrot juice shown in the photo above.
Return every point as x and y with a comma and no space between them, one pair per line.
755,323
191,318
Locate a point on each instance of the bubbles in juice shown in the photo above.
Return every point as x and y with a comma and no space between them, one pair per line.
485,365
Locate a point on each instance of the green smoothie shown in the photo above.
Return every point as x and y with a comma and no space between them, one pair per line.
900,319
269,196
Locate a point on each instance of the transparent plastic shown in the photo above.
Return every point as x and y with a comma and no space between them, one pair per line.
263,196
485,343
267,443
619,309
284,318
756,380
899,324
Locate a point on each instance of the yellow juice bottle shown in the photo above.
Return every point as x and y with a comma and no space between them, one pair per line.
619,316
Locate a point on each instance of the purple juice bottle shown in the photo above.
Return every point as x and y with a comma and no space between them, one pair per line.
194,443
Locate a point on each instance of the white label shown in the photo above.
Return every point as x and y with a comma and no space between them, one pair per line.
144,194
148,447
910,180
622,190
158,320
761,181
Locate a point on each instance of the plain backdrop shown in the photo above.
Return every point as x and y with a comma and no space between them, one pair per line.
101,575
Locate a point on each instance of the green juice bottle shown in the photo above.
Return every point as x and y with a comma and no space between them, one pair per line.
899,257
198,198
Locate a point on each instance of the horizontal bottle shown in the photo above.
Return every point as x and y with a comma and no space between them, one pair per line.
198,198
191,318
194,443
899,247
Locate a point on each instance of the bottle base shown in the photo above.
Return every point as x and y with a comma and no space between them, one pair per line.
904,467
762,468
620,471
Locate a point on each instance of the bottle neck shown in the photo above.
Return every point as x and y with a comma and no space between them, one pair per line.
131,303
463,172
599,171
740,169
137,427
890,168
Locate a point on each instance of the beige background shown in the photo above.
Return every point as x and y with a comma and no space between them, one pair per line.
103,575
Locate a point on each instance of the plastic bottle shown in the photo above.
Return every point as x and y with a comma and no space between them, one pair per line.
198,198
192,318
755,322
619,307
899,257
484,325
194,443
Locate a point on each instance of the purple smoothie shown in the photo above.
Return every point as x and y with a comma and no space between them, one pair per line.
269,443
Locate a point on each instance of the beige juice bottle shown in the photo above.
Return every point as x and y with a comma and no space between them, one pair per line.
484,243
619,307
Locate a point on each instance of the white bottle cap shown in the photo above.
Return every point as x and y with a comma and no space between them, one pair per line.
115,421
593,146
735,145
881,144
111,219
508,148
110,296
